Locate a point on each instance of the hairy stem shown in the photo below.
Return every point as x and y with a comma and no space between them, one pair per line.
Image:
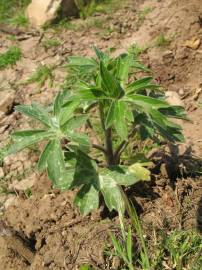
109,155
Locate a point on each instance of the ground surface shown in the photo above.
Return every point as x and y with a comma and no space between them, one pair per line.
62,238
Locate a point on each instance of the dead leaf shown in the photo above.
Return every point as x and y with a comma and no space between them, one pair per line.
193,43
197,93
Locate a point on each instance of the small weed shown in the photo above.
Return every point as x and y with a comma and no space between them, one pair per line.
41,75
175,250
50,43
136,50
96,6
19,20
143,13
10,57
9,9
162,40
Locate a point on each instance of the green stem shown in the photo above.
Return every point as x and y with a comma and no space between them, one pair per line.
109,155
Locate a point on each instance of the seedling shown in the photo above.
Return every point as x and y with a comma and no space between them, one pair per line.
19,20
136,50
41,75
51,43
143,13
103,94
10,57
162,40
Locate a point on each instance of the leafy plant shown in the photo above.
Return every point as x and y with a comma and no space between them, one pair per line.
50,43
103,93
143,13
10,57
19,20
162,40
41,75
9,9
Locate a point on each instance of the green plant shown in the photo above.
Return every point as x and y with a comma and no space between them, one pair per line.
10,57
143,13
162,40
19,20
41,75
103,94
178,250
136,50
9,9
50,43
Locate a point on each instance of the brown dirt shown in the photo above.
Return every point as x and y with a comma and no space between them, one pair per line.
59,237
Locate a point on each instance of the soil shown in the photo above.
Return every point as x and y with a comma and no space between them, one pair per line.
57,236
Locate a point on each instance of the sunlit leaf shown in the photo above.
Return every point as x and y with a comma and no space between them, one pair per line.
36,112
109,83
87,199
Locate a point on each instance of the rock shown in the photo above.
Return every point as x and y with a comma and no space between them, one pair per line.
6,100
24,184
40,12
173,98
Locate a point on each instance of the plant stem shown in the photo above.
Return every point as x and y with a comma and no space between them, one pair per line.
109,154
99,147
122,146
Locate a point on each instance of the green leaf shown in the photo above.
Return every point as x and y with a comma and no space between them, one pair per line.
139,172
123,65
26,133
58,102
57,172
110,85
100,55
145,102
89,94
140,66
42,163
166,128
85,171
111,115
79,140
141,84
87,199
174,112
129,245
82,62
127,176
36,112
67,111
120,120
75,122
22,142
112,193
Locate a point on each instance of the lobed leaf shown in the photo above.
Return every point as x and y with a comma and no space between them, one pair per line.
110,85
36,112
22,141
87,199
